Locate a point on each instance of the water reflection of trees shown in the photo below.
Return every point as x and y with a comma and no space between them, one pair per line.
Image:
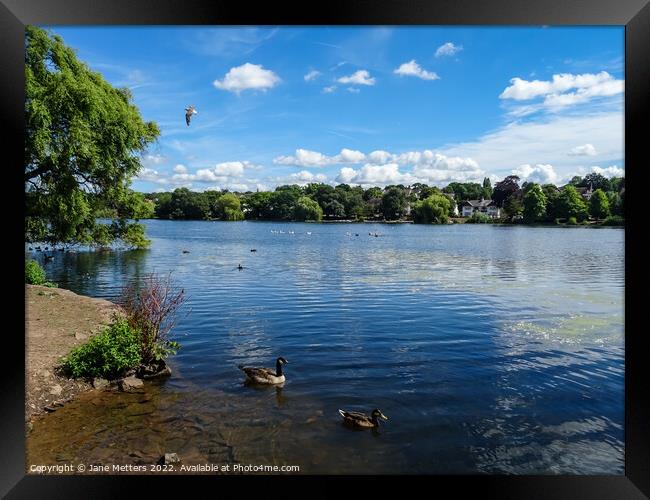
97,273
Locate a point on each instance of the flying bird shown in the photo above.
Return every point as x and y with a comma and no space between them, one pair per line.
188,114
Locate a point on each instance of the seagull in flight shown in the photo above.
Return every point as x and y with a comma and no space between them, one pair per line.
189,111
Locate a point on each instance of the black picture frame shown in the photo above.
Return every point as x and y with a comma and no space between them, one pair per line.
633,14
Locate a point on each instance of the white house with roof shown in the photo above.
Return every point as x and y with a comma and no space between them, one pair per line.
488,207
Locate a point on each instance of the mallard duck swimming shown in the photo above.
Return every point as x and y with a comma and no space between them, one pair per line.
266,375
358,419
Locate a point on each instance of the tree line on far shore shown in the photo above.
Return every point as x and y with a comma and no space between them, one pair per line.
420,203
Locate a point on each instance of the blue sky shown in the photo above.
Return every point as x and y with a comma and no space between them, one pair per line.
367,105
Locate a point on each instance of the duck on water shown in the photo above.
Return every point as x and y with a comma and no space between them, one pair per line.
361,420
266,375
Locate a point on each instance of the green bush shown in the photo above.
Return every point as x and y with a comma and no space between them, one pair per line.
572,221
479,218
614,220
35,274
108,354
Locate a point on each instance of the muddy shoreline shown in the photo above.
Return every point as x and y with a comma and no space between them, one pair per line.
56,321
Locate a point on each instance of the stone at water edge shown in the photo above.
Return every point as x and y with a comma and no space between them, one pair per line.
169,458
153,370
100,383
129,383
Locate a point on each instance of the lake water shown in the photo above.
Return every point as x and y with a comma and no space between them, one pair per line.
492,349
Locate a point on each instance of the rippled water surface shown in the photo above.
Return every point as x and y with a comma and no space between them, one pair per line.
492,349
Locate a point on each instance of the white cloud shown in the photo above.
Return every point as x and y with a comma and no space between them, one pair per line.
304,158
180,169
247,76
312,75
546,142
375,175
153,159
380,157
540,173
555,92
609,172
150,175
307,158
412,68
305,177
448,49
421,160
353,90
351,156
329,90
223,171
361,77
585,150
425,166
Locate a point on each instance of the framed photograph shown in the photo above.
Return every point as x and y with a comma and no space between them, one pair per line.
380,240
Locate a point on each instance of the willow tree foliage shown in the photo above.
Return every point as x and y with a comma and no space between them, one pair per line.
308,209
432,210
84,143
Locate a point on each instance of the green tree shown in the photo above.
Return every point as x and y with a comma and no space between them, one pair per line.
570,204
258,205
599,205
534,203
83,145
283,201
506,189
552,194
393,203
229,207
432,210
308,209
373,193
487,188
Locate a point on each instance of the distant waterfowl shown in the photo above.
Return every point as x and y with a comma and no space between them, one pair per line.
240,267
361,420
266,375
308,232
356,234
189,111
253,249
186,251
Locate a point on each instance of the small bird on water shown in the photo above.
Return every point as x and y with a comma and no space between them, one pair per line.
189,111
266,375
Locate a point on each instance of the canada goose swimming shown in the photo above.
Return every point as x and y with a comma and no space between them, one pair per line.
358,419
266,375
189,111
240,267
186,251
253,249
